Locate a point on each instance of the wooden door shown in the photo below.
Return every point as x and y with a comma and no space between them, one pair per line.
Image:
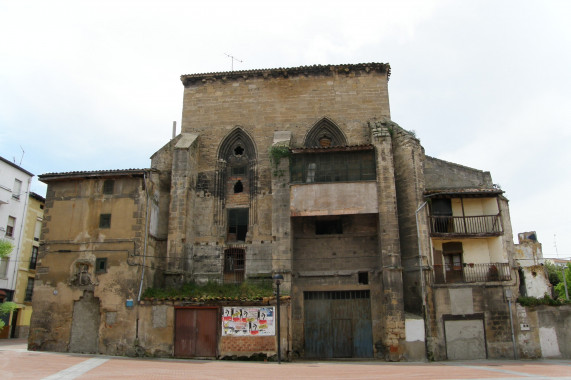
195,332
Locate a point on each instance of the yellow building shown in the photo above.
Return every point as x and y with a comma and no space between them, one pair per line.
27,266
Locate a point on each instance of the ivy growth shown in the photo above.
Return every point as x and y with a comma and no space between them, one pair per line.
277,152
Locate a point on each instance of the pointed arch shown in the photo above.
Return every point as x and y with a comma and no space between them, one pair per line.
238,145
324,133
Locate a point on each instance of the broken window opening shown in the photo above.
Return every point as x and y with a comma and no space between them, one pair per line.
238,187
237,224
363,278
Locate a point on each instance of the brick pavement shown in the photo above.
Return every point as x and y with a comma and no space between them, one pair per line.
18,363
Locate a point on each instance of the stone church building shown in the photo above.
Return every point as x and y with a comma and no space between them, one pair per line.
385,252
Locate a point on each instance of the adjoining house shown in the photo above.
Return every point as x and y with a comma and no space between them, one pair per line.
385,252
19,211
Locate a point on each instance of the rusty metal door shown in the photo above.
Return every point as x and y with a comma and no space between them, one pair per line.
195,334
337,324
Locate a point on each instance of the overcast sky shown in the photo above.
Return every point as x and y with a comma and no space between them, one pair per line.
88,85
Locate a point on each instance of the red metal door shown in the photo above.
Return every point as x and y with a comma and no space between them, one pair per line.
195,332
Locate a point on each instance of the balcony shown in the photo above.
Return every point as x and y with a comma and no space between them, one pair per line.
465,226
468,273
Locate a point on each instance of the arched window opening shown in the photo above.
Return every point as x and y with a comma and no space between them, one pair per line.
238,187
324,134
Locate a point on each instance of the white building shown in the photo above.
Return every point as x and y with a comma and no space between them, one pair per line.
14,189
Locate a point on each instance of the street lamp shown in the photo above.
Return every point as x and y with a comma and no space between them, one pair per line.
278,278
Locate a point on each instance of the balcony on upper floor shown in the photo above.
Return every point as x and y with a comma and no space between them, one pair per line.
465,226
469,272
465,214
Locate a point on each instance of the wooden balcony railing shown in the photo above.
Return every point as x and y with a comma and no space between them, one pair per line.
444,274
484,225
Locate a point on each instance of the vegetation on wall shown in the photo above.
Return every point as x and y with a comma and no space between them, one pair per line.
213,291
277,153
6,308
555,274
5,248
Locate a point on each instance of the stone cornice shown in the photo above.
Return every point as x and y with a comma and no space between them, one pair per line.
193,79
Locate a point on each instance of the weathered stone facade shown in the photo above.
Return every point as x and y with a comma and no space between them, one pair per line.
298,172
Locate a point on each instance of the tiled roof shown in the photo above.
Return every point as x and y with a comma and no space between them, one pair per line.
346,148
92,174
285,72
463,191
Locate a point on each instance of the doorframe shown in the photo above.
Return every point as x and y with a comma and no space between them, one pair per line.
465,317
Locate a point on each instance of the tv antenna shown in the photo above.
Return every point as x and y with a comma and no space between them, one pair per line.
233,59
21,158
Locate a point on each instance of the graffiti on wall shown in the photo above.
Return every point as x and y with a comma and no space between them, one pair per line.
248,321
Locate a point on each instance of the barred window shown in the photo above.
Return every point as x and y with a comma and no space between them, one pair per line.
333,167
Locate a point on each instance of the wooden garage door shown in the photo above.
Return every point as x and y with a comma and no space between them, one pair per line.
465,339
338,324
195,332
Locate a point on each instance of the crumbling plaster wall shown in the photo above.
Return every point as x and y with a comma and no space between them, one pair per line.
67,246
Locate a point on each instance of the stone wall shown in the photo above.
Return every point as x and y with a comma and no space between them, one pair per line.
440,174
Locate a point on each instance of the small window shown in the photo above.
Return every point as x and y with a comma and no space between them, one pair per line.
328,226
29,290
364,278
238,187
108,186
17,189
34,258
10,226
105,221
41,207
101,265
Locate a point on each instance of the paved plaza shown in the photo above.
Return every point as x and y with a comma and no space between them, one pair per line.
16,362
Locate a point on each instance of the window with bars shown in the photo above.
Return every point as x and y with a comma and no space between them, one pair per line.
234,265
333,167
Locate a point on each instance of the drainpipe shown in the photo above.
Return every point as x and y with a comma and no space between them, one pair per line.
146,235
